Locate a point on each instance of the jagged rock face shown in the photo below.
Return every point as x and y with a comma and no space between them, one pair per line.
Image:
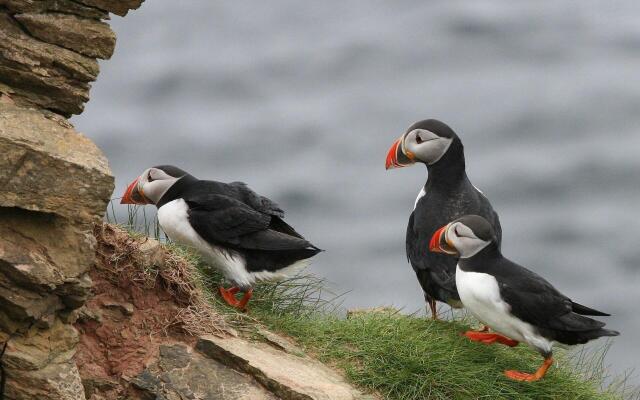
289,376
40,364
43,265
182,373
49,167
85,36
48,49
65,6
54,185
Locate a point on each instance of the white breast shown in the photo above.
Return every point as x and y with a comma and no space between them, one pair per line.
420,195
174,220
480,294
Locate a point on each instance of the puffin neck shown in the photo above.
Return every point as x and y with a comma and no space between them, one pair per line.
478,261
450,168
176,189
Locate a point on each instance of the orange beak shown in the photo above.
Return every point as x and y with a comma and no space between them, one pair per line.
440,244
133,195
396,157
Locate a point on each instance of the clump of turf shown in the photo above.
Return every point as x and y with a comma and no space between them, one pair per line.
405,357
123,264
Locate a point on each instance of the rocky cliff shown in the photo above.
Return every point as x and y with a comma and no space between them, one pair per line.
54,186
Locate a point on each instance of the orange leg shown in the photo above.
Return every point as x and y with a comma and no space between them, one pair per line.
229,296
489,338
242,305
434,311
525,377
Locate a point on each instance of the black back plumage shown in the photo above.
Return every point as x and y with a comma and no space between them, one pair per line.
534,300
234,217
448,195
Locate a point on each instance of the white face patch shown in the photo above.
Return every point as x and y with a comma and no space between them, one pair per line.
154,183
464,240
425,145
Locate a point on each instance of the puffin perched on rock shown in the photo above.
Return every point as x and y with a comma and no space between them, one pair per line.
510,299
238,231
448,194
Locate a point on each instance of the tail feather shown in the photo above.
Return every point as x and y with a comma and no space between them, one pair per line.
584,310
609,332
572,338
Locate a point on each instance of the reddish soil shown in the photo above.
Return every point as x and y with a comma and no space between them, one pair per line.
131,313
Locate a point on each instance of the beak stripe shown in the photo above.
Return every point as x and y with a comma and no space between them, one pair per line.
141,192
434,243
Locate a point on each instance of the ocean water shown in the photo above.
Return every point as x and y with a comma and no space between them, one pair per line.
301,100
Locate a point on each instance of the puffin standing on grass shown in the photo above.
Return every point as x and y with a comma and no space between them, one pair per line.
238,231
509,298
447,195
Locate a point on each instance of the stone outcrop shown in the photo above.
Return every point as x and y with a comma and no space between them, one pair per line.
48,49
289,376
85,36
181,372
49,167
54,186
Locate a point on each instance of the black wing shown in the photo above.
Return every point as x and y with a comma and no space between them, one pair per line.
224,220
255,201
536,301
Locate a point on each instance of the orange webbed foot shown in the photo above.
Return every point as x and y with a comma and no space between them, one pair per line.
242,305
526,377
489,338
520,376
229,296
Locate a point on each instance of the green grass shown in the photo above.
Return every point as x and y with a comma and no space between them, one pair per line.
403,357
407,357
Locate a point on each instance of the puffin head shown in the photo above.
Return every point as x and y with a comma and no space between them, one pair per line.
425,141
149,187
464,237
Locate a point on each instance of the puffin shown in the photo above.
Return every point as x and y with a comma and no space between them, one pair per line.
448,194
516,303
236,230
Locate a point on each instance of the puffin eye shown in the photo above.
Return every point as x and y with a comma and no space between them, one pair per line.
418,138
149,178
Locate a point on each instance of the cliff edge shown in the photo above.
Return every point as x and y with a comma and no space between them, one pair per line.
54,186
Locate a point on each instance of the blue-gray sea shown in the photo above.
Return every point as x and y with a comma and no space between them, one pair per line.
302,99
